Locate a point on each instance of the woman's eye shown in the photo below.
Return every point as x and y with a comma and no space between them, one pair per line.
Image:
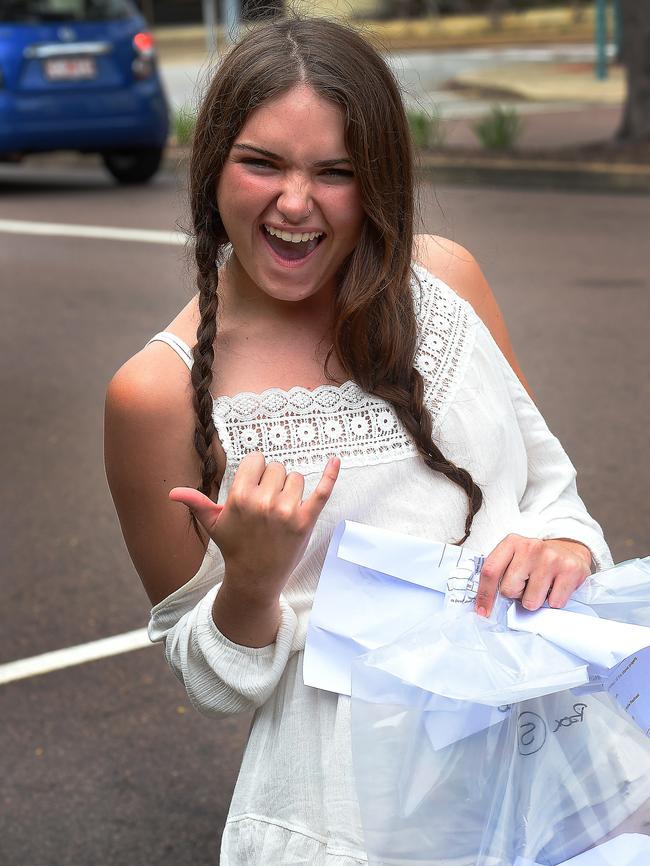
259,163
338,172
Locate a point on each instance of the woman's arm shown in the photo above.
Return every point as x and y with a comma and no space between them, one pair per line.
560,542
261,529
458,268
227,630
148,449
149,430
568,559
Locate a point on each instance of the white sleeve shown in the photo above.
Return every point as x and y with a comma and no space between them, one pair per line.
221,677
550,505
467,376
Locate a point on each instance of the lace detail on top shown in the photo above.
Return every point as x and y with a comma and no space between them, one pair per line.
303,427
443,319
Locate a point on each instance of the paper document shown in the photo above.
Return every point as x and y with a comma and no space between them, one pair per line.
374,585
630,849
602,642
629,685
410,559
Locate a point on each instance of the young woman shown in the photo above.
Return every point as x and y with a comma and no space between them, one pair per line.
333,374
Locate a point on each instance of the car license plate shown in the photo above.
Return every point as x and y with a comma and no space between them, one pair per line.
70,69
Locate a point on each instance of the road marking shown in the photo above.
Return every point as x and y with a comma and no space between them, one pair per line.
74,655
109,233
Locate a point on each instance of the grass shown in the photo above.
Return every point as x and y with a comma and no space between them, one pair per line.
183,123
500,129
427,130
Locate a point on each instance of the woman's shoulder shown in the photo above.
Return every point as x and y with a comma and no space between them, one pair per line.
441,307
148,384
453,265
155,381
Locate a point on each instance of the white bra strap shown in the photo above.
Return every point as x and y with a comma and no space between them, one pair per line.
179,346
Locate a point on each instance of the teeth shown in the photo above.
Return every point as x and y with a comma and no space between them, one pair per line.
290,236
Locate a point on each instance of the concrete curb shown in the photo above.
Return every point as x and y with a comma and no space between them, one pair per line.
536,174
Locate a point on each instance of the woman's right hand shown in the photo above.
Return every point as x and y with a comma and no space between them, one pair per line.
264,526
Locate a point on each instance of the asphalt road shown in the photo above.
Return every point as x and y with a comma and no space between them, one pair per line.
106,763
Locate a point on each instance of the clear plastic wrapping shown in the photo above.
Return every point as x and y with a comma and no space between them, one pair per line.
476,745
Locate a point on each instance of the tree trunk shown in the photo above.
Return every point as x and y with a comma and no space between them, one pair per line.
635,54
496,10
578,10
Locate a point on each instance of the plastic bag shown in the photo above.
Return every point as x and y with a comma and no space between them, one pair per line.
451,773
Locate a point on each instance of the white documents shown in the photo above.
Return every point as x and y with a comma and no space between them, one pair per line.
376,585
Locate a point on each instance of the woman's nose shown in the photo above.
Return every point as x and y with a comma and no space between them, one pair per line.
294,202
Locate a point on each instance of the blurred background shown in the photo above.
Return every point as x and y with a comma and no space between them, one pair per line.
532,128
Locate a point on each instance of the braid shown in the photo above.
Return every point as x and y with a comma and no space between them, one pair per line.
375,339
203,354
416,418
408,403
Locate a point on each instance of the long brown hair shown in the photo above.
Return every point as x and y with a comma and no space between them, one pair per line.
375,328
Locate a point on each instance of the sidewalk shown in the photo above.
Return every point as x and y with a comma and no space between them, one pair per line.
547,82
548,131
570,120
564,105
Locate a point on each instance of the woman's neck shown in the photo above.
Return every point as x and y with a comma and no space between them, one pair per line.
245,304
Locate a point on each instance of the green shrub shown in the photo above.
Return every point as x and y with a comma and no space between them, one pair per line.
183,123
500,129
427,130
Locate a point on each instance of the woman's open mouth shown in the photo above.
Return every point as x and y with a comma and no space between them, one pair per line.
291,248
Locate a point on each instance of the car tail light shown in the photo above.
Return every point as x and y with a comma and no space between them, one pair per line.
143,64
143,43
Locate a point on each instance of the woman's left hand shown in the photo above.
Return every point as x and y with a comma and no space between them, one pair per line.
533,570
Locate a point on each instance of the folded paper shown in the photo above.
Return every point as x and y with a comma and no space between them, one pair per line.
377,585
478,741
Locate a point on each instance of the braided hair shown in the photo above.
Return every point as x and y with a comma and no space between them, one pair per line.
375,327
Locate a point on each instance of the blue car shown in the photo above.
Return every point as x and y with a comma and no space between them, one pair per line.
81,75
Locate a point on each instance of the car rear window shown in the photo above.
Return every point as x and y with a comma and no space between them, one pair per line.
39,11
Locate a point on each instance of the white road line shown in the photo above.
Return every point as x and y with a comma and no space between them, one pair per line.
121,643
74,655
110,233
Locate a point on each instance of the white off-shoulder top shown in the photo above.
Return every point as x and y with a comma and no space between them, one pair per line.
295,802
